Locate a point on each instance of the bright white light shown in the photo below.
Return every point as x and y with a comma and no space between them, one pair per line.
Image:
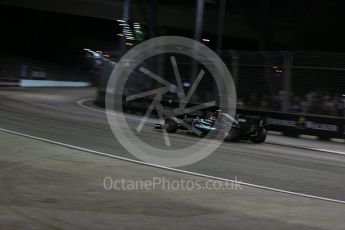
205,40
120,35
95,54
119,20
186,84
129,44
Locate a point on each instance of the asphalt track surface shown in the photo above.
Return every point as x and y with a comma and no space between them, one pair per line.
53,114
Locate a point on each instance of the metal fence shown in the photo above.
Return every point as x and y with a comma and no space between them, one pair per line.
299,82
285,81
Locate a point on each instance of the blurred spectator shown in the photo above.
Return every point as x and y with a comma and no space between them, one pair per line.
305,105
295,105
311,97
314,102
264,102
316,106
329,106
275,104
253,101
240,103
339,104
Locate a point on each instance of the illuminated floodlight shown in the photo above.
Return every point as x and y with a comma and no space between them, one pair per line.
119,20
205,40
186,84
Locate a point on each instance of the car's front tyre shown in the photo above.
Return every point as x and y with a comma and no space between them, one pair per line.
232,135
260,137
170,126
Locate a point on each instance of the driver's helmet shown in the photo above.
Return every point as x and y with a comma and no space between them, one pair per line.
218,111
214,115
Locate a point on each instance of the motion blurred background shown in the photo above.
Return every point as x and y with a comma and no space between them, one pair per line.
287,60
284,55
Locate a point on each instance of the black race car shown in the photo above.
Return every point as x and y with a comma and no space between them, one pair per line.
243,128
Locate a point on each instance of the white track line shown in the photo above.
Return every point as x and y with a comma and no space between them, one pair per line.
173,169
114,115
308,148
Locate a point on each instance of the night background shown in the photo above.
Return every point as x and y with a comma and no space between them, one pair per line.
236,122
266,25
65,37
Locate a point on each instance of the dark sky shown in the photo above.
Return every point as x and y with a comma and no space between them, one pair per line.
310,25
37,33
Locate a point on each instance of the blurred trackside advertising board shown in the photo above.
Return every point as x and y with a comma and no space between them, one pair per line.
295,124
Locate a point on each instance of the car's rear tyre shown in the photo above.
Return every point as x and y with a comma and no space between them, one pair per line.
171,126
260,138
232,135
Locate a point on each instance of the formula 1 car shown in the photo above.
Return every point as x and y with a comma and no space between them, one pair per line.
244,128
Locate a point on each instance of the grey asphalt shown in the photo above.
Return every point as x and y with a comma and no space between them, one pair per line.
53,114
47,186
